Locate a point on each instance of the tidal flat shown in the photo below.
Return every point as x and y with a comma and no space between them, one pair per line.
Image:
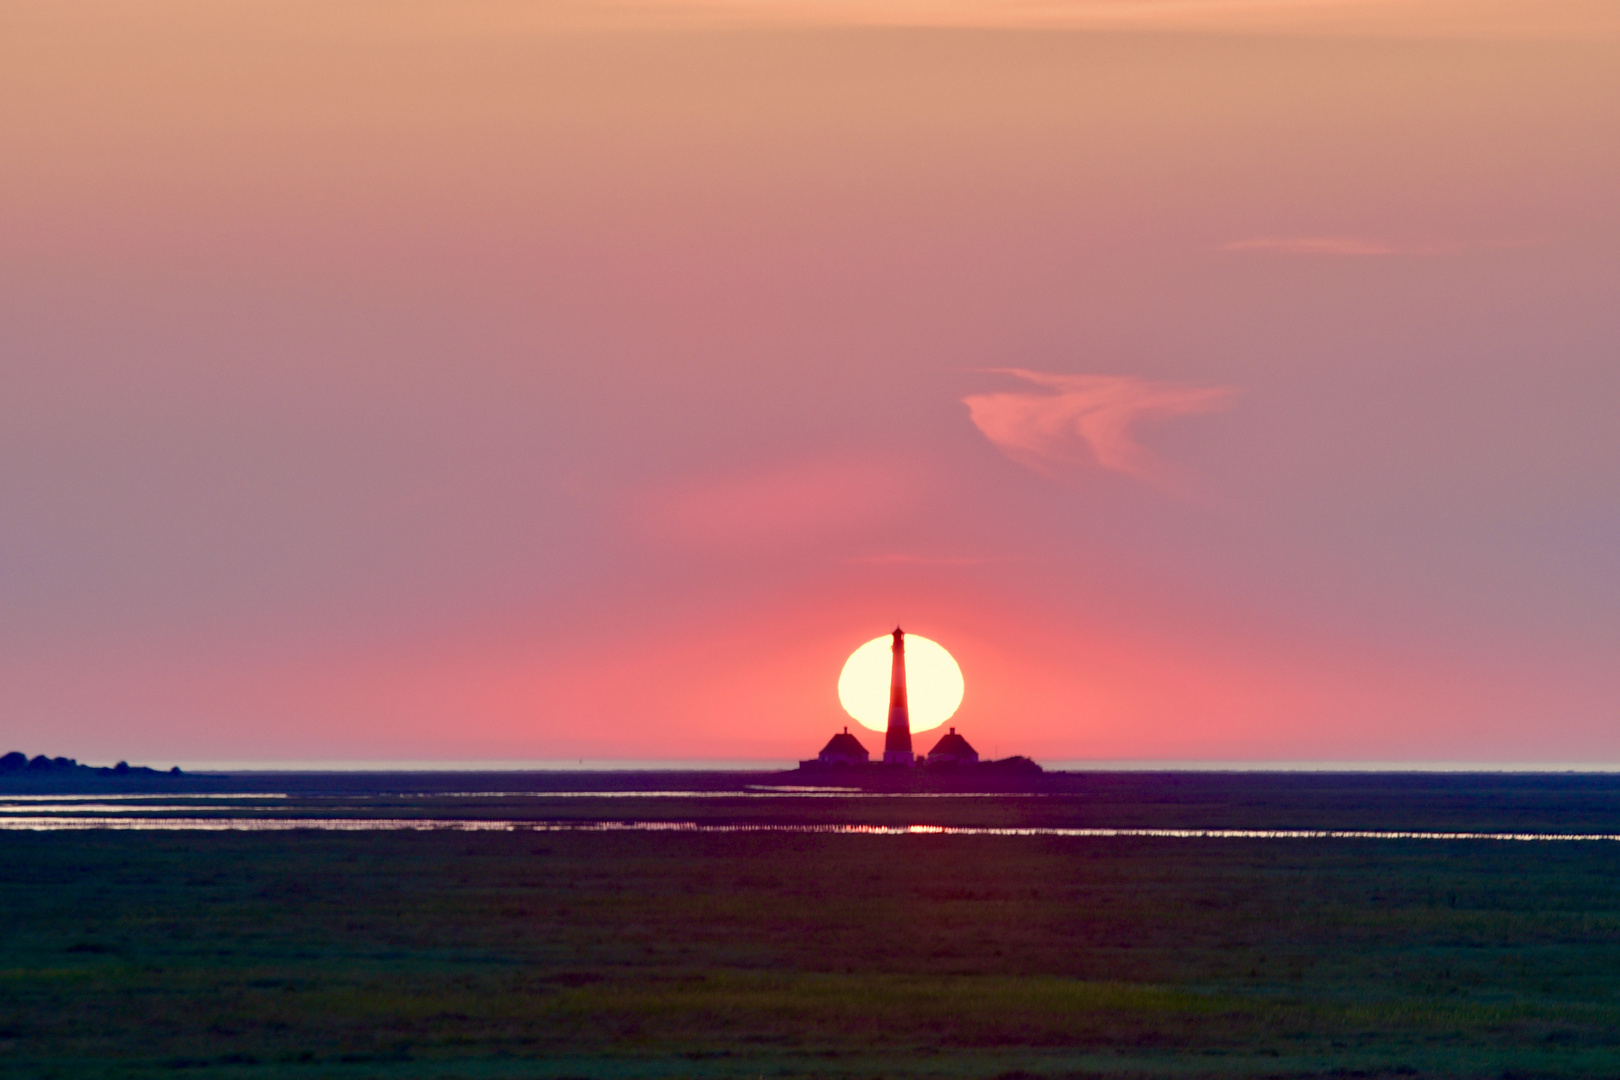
509,954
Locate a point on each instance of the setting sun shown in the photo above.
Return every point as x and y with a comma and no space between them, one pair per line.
933,683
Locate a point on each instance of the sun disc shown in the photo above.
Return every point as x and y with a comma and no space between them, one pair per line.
933,683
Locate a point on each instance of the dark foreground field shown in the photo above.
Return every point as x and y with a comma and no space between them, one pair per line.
572,954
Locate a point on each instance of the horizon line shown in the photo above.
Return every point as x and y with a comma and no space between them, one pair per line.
782,764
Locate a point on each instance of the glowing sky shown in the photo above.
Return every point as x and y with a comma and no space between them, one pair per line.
410,380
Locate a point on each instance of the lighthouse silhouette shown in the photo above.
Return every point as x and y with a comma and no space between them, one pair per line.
897,740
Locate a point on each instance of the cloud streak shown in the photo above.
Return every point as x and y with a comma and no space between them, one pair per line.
1583,20
1333,245
783,504
904,559
1086,420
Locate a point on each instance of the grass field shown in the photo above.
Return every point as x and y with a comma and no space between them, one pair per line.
667,955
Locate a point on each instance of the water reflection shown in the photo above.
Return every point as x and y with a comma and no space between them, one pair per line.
63,822
141,796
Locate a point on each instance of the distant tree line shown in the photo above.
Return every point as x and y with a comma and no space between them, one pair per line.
18,762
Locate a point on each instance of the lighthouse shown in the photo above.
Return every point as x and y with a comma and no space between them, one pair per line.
897,741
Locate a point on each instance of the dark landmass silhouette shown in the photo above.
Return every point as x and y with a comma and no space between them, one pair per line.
19,772
16,762
1010,774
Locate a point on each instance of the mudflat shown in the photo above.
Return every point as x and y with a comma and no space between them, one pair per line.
670,954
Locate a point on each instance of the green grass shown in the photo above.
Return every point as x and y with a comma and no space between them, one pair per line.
515,955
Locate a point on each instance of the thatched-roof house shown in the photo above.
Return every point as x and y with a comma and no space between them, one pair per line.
953,750
844,749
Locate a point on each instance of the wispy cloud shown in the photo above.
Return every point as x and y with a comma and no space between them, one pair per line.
1582,20
1086,419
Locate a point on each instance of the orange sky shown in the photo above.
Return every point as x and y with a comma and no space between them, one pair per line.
1217,380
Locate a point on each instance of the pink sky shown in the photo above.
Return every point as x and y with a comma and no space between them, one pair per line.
1217,380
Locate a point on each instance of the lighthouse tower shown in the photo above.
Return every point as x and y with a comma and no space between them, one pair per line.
897,741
